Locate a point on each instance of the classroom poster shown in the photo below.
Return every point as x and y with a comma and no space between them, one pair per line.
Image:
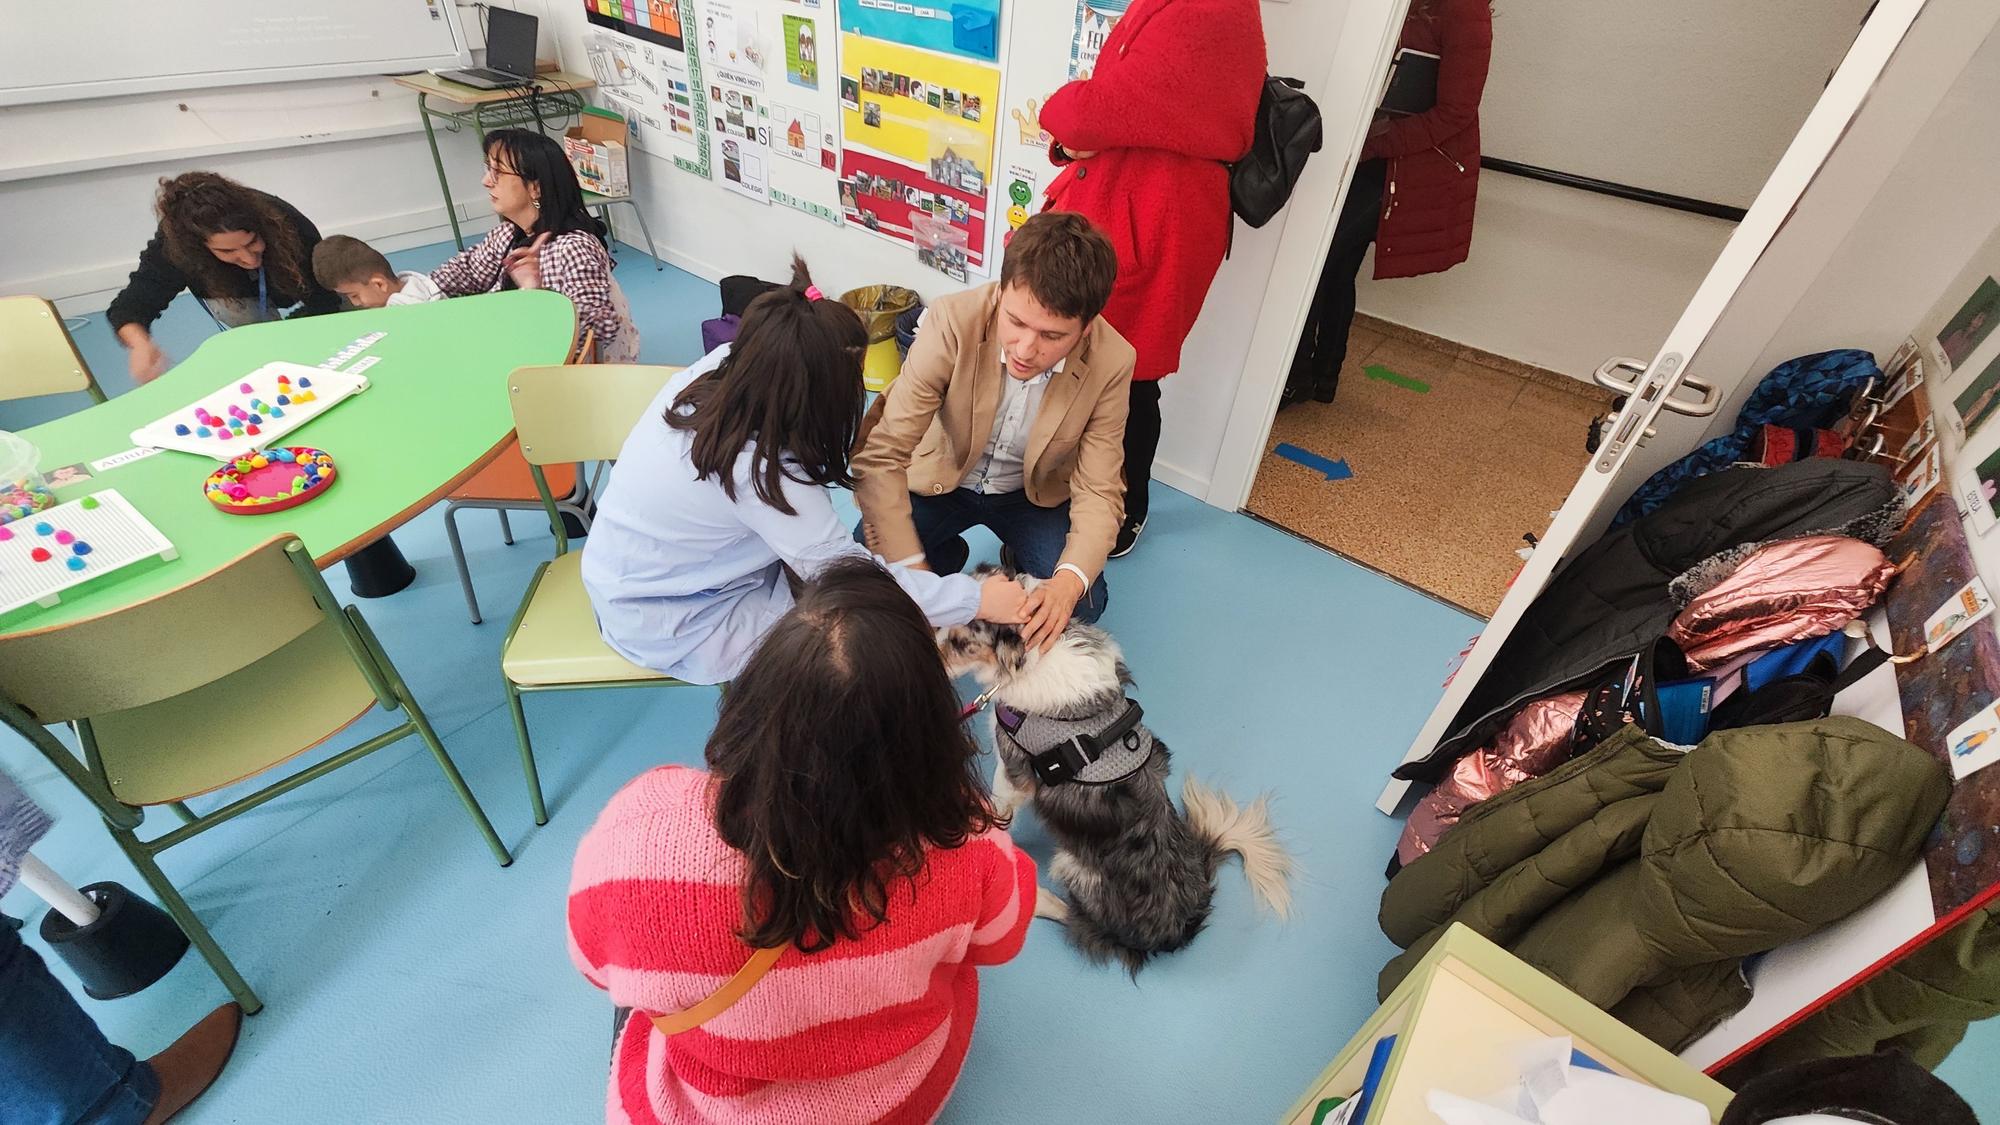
737,111
801,52
919,134
1969,327
658,90
1094,21
657,22
966,28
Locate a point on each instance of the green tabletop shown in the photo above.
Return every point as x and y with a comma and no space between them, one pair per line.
435,412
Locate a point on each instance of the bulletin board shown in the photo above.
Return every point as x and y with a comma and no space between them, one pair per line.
918,124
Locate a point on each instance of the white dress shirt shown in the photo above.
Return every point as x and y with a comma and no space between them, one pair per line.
1002,467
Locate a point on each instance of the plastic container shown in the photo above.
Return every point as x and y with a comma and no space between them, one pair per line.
23,489
879,306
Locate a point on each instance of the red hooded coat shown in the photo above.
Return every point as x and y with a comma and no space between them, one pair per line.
1433,175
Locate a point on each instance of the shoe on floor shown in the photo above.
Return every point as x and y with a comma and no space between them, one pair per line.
1128,538
191,1063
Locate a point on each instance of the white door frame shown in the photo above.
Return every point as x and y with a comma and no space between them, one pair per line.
1347,97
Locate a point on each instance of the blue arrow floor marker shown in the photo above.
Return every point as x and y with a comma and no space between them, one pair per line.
1333,470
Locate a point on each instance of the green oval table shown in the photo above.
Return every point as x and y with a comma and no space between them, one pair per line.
434,414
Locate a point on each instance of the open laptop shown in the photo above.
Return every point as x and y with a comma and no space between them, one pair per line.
510,52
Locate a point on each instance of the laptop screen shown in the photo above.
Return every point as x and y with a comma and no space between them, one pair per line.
510,41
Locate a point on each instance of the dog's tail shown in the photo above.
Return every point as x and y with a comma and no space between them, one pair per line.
1227,827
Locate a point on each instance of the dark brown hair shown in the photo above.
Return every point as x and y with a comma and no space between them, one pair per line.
342,260
1066,263
540,161
840,759
194,205
790,386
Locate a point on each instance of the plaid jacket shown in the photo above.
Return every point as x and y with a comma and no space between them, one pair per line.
573,264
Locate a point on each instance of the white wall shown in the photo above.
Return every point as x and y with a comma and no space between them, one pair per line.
77,178
1695,99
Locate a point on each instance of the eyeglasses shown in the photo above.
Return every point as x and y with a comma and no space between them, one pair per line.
496,170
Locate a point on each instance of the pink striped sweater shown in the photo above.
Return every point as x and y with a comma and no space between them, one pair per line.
870,1030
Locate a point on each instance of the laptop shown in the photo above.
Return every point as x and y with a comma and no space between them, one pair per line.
510,53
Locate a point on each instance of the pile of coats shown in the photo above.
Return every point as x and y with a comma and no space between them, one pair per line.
1645,790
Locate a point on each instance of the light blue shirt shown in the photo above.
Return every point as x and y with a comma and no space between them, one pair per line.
1003,465
686,581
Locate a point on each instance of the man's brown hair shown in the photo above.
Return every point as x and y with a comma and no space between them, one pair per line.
1067,264
341,260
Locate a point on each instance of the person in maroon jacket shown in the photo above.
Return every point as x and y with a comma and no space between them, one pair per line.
1413,192
1146,139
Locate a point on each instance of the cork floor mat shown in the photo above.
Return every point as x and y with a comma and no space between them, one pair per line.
1450,458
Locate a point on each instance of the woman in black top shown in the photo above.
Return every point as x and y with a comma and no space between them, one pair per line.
246,255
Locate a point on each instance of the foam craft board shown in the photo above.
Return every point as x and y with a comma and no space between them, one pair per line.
328,388
109,530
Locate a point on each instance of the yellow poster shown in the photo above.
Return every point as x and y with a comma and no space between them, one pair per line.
931,111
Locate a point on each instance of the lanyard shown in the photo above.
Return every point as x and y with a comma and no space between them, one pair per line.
263,296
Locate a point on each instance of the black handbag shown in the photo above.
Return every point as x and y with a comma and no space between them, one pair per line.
1288,131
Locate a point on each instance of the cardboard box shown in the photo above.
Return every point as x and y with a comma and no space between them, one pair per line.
596,149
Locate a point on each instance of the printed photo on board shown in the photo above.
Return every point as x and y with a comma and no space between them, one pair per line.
1977,401
1973,322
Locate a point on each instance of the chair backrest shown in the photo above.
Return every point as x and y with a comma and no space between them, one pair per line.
37,356
183,639
580,412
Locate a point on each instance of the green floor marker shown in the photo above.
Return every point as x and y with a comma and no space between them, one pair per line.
1377,371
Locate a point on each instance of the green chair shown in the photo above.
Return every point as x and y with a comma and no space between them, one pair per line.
37,356
564,415
169,705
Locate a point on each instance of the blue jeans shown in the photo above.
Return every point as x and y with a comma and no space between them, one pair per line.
1035,534
55,1066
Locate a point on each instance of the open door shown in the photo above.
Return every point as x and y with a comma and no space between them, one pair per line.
1670,409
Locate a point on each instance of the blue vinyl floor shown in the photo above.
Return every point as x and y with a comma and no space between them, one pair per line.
409,979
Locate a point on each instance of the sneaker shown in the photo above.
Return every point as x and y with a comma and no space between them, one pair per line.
1128,538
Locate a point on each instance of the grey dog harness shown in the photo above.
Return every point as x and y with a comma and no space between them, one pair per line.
1093,750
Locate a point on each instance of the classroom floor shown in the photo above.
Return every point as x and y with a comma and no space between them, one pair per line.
409,979
1441,459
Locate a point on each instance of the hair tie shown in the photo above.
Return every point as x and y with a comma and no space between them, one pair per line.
813,293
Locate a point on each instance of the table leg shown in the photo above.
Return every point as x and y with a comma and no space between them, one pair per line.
444,184
379,569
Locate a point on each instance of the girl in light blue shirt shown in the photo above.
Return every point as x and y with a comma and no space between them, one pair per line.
720,497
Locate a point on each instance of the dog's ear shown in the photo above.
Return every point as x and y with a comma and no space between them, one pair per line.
1125,675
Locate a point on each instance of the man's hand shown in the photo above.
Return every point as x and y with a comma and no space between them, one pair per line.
1048,608
1002,601
525,264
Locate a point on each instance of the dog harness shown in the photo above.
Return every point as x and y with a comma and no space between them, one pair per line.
1094,750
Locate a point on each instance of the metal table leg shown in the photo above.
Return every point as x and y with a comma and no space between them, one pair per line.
437,161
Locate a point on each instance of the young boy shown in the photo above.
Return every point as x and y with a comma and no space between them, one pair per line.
358,272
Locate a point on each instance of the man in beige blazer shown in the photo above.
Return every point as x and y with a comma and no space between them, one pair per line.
1010,414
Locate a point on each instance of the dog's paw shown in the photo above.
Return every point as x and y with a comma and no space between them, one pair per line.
1050,905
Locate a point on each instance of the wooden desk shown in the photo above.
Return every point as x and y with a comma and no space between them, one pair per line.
435,412
555,96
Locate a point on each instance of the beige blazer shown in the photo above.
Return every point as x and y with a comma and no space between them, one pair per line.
931,427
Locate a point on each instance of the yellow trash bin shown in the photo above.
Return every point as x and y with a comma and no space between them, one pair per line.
879,306
883,363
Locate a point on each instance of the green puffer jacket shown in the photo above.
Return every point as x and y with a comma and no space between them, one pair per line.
1640,875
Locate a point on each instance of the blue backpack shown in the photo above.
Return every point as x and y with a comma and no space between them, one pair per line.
1810,392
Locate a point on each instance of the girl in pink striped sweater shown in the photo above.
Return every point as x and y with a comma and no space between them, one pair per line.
841,818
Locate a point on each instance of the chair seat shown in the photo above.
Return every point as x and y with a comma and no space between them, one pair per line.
507,478
557,641
236,727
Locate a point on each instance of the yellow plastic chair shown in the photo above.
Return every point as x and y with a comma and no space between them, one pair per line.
169,707
37,356
564,415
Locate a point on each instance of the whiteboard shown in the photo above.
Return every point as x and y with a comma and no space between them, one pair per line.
1695,97
63,51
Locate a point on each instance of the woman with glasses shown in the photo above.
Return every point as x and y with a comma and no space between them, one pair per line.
544,240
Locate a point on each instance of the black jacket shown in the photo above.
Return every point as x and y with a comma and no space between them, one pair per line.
1612,603
157,281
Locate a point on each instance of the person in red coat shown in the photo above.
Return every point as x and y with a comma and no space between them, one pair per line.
1147,138
1413,192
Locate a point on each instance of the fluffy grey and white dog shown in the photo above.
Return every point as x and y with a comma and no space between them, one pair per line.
1140,873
